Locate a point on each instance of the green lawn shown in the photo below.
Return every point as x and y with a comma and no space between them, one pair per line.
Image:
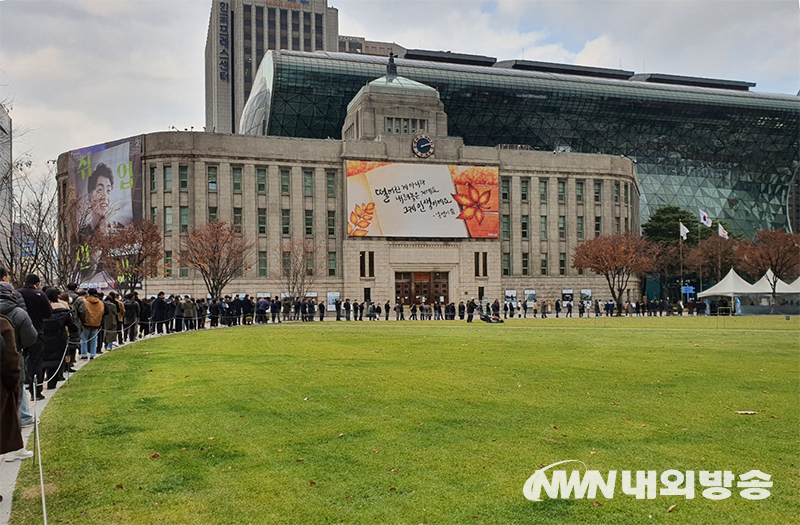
421,422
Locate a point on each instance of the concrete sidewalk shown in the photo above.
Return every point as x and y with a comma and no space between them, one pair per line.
10,471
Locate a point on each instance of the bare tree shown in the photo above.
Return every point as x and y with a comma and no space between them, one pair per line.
217,253
131,254
300,266
615,257
28,236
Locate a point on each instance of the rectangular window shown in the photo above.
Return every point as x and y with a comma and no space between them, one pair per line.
598,192
261,180
543,227
184,272
262,264
167,177
579,228
562,264
362,264
372,264
598,228
526,270
262,221
331,264
506,227
477,264
523,189
184,218
309,222
167,263
183,177
562,227
506,264
505,183
153,178
617,225
308,183
236,174
331,183
626,193
579,192
212,214
627,226
212,178
167,220
542,191
524,226
616,192
154,215
331,223
562,191
286,263
309,263
543,264
237,220
285,182
285,223
485,264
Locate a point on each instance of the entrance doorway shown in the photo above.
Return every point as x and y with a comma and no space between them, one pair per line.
419,287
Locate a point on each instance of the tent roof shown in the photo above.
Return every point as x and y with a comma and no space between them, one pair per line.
731,284
789,288
763,285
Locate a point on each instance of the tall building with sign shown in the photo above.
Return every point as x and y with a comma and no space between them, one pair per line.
697,142
240,32
400,210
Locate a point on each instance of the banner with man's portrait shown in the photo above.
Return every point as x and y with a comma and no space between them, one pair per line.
105,184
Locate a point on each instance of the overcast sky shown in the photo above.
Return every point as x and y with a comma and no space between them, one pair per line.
83,72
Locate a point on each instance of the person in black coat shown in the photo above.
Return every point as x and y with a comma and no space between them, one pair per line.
213,312
145,314
39,309
160,312
55,337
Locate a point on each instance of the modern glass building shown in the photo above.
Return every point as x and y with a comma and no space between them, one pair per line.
697,142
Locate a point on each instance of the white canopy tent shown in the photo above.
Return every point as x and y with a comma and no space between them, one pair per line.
763,285
731,285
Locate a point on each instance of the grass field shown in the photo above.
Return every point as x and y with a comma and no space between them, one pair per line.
421,422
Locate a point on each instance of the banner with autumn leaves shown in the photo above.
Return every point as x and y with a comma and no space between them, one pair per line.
421,200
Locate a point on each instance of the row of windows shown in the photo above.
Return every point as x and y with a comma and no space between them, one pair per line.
236,180
405,125
620,191
505,228
544,268
286,261
238,220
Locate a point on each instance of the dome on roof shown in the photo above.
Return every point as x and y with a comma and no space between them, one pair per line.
391,81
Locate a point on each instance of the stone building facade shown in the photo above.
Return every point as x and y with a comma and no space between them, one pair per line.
279,191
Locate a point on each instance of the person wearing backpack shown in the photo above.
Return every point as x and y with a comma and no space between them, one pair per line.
16,333
95,309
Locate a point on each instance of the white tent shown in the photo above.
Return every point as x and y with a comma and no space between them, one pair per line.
789,288
730,286
763,285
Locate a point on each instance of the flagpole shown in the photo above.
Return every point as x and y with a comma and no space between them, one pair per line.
680,244
700,273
